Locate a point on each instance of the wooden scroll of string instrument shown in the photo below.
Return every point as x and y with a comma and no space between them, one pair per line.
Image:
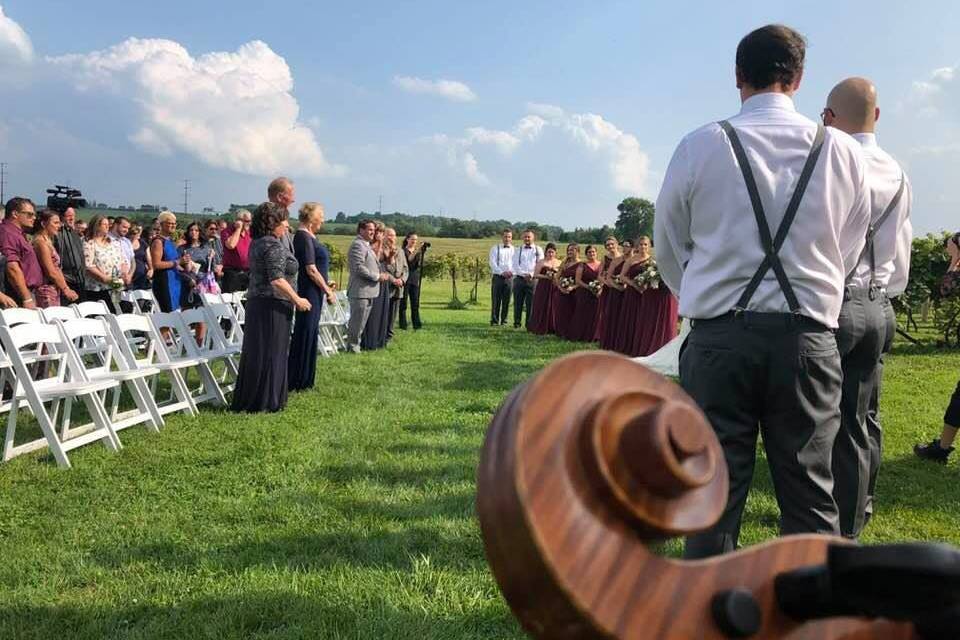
596,458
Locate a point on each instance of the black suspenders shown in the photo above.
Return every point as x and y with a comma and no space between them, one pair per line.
772,245
872,232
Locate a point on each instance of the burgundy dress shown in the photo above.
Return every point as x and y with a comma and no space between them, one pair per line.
47,295
603,296
658,321
583,327
611,314
565,305
629,313
544,297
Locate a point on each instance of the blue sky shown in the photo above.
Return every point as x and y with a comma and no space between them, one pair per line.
552,111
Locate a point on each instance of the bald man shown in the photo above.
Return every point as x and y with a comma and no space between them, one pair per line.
867,323
282,192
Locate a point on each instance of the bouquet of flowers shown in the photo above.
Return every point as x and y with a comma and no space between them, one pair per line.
649,277
550,272
617,280
567,283
594,287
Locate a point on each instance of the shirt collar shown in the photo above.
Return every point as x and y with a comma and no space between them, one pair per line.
866,139
770,100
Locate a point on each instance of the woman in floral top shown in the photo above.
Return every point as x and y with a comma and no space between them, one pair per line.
104,261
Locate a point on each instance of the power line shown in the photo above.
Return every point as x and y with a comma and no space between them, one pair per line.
3,182
186,194
380,206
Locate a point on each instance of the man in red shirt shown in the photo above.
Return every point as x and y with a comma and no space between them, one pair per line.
23,269
236,247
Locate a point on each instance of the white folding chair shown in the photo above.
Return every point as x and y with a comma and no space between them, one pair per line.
328,337
153,355
111,365
52,314
15,317
61,381
213,345
181,346
92,309
142,300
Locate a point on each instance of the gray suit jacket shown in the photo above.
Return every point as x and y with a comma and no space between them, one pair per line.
398,269
364,270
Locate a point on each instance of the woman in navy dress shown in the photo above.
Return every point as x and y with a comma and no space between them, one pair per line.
312,285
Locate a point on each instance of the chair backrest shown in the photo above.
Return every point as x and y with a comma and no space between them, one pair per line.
176,336
128,328
19,315
135,296
25,340
92,308
50,314
221,312
95,333
211,298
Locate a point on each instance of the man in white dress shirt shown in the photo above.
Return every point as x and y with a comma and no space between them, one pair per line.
867,323
501,266
525,260
758,221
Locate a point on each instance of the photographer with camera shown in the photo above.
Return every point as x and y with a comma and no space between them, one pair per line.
411,292
940,448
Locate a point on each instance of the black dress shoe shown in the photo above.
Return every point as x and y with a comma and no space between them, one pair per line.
932,452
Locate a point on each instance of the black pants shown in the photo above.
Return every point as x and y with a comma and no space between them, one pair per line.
780,377
411,292
856,452
522,299
951,417
235,280
394,305
500,292
92,296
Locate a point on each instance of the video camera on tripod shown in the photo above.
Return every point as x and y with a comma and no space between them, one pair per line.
62,198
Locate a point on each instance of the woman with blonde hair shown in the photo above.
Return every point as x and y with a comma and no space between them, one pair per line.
395,263
375,332
312,285
166,264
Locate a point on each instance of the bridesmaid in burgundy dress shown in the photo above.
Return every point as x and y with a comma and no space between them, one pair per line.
612,317
545,293
629,328
566,303
613,252
583,327
658,319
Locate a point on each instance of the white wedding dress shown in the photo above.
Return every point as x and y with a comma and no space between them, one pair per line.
666,360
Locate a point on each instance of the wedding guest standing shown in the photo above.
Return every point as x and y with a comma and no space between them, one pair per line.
364,285
69,246
525,260
271,298
212,235
375,333
657,322
198,259
54,287
312,285
119,230
612,300
23,273
867,322
501,265
106,266
143,271
411,291
770,306
236,249
583,327
545,293
566,303
395,263
631,306
166,264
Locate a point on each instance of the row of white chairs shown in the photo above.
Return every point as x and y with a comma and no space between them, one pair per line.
52,358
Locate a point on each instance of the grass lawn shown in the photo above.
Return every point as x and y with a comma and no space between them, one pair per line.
350,515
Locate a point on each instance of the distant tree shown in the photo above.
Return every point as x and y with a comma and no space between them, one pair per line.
635,219
341,217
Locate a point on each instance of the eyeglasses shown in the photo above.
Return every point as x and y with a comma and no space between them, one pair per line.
29,214
827,112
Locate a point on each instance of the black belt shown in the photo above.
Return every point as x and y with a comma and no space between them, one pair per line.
763,319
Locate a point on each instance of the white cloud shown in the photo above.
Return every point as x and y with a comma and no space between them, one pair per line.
15,45
627,163
935,95
233,110
449,89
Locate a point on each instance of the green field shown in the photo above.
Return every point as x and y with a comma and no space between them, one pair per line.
350,515
479,248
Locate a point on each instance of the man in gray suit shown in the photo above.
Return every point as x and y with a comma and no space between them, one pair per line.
365,278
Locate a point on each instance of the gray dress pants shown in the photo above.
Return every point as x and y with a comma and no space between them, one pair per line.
359,312
779,376
862,339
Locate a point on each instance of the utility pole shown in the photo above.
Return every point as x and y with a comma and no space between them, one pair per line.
380,205
3,182
186,192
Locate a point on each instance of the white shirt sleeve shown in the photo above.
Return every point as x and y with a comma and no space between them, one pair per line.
672,221
857,221
494,267
901,263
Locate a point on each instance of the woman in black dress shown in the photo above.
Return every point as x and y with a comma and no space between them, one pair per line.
142,271
271,297
375,332
312,285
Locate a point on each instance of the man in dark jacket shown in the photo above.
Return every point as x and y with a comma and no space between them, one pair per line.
69,244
